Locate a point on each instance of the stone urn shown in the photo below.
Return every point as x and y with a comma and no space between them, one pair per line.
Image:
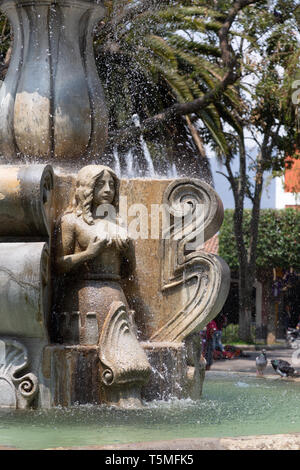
52,107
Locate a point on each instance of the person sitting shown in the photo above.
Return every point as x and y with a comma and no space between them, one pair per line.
221,322
211,327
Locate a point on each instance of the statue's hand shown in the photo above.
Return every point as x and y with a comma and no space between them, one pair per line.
122,243
96,245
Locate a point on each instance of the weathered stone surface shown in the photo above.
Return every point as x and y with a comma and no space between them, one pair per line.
25,201
74,373
196,366
168,308
51,102
147,292
25,228
186,290
24,282
124,364
169,369
92,254
156,305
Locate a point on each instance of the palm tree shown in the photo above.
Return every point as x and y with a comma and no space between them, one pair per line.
149,56
5,41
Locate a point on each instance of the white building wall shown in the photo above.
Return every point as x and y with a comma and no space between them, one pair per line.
282,198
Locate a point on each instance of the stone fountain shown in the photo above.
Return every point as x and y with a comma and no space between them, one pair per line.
100,303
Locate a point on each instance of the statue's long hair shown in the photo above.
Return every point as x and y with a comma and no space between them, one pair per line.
84,192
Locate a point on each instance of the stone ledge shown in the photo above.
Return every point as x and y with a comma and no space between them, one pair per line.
253,375
263,442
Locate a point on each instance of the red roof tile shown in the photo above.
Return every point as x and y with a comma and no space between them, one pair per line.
212,245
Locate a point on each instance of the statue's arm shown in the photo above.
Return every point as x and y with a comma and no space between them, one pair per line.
67,260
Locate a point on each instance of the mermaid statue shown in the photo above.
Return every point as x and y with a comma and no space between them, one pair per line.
93,253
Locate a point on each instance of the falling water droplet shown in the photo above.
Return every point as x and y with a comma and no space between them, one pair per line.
117,162
151,171
129,160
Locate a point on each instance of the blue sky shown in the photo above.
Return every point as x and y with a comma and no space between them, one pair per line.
223,188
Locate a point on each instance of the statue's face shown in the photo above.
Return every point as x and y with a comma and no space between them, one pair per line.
104,191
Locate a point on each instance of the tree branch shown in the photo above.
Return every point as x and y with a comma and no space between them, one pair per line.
224,174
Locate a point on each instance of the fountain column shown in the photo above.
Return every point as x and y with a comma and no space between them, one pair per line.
52,107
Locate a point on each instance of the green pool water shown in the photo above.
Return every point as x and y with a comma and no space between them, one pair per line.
232,405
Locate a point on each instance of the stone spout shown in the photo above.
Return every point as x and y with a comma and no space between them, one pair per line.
124,364
52,107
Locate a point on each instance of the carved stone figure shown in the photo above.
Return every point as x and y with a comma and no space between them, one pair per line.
86,236
94,252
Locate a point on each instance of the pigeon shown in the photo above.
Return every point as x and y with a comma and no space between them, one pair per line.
283,368
261,363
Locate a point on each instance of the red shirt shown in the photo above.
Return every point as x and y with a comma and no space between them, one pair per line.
211,327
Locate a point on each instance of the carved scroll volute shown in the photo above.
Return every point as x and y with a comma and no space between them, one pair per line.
16,390
198,281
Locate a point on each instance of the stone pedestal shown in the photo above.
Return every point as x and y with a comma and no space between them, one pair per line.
169,369
75,378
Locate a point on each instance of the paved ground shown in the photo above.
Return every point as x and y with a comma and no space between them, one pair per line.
247,364
263,442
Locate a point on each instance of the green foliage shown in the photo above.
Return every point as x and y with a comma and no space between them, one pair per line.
5,36
161,52
278,238
230,335
269,57
167,52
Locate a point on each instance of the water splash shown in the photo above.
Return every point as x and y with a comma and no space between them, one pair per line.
242,384
144,146
172,173
117,162
129,160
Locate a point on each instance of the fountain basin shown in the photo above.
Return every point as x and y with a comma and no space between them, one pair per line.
232,405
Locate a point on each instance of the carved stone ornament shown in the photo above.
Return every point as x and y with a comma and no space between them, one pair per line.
124,362
51,102
94,253
196,281
16,390
25,201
